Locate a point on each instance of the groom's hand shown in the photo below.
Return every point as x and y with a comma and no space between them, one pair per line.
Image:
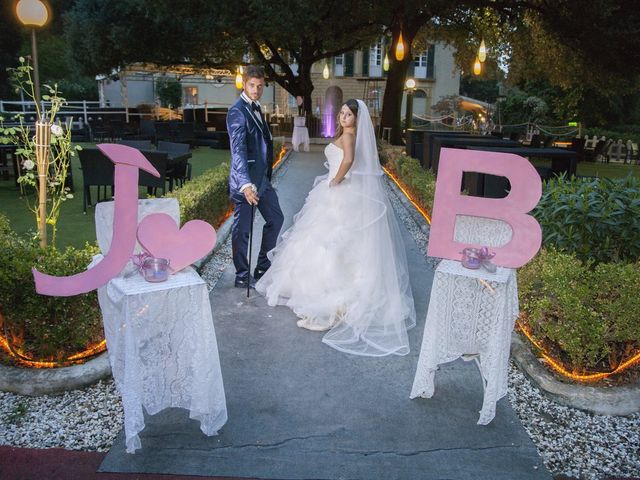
251,196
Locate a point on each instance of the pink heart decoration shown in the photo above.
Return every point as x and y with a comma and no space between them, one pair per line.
159,235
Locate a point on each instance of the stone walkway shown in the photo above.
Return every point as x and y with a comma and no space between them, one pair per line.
299,409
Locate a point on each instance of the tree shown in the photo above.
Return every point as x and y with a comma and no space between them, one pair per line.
169,92
309,32
107,35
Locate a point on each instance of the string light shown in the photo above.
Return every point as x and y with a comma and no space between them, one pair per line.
325,71
385,63
400,48
554,364
477,67
239,78
482,51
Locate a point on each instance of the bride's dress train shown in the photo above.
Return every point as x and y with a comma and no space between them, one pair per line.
342,267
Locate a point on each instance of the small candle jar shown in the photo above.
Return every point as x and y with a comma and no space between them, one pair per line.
155,269
470,259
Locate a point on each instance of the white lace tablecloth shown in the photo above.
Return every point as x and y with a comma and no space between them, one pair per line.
471,315
163,350
300,137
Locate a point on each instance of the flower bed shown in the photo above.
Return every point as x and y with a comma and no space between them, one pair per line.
36,327
579,295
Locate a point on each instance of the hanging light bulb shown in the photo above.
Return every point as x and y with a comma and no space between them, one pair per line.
482,51
325,71
241,69
239,78
385,63
477,67
400,48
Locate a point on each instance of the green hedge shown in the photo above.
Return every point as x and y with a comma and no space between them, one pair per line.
594,218
206,197
51,327
588,311
420,182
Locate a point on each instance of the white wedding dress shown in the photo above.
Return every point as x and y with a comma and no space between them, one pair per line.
342,267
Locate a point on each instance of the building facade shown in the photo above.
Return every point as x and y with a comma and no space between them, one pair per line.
358,74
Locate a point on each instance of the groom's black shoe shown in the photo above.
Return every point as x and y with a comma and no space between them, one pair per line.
242,283
259,272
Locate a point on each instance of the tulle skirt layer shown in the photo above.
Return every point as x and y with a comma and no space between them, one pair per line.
341,267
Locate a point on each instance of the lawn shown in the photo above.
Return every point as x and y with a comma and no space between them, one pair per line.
597,169
74,227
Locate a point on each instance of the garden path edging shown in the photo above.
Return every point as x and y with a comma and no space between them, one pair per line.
45,381
619,400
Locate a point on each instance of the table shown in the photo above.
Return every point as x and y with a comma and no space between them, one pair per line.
300,134
563,160
163,350
7,157
471,315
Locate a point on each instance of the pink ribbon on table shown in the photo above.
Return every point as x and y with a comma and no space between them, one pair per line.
474,258
138,260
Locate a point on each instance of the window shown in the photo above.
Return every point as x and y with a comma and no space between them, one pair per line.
420,60
190,95
375,53
338,66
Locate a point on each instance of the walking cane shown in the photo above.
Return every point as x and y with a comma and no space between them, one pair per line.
253,211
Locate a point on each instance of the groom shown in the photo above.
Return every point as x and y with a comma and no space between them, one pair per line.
250,177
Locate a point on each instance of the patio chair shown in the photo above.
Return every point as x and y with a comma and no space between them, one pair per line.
160,161
179,168
535,141
595,154
139,144
98,171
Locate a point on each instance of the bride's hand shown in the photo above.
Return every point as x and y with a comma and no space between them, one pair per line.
333,183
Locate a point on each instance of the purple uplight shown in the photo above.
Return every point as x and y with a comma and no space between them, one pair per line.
328,122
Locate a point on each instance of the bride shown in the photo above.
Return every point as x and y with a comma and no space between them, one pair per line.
341,267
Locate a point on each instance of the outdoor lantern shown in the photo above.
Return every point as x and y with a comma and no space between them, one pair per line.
400,48
477,67
239,78
482,51
32,13
385,63
410,83
325,71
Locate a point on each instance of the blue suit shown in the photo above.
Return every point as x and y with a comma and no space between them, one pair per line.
251,162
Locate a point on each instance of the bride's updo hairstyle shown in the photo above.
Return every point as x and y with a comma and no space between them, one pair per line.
352,103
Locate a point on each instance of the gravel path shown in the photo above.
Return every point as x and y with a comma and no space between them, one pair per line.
572,443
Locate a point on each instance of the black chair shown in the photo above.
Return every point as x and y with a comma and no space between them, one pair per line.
185,133
577,145
163,131
535,141
593,155
548,141
160,161
179,168
139,144
97,170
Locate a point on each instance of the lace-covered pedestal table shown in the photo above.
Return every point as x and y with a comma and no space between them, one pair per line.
471,315
163,350
300,136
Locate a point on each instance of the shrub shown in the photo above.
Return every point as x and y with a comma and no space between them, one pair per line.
587,311
49,327
597,219
420,182
206,197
